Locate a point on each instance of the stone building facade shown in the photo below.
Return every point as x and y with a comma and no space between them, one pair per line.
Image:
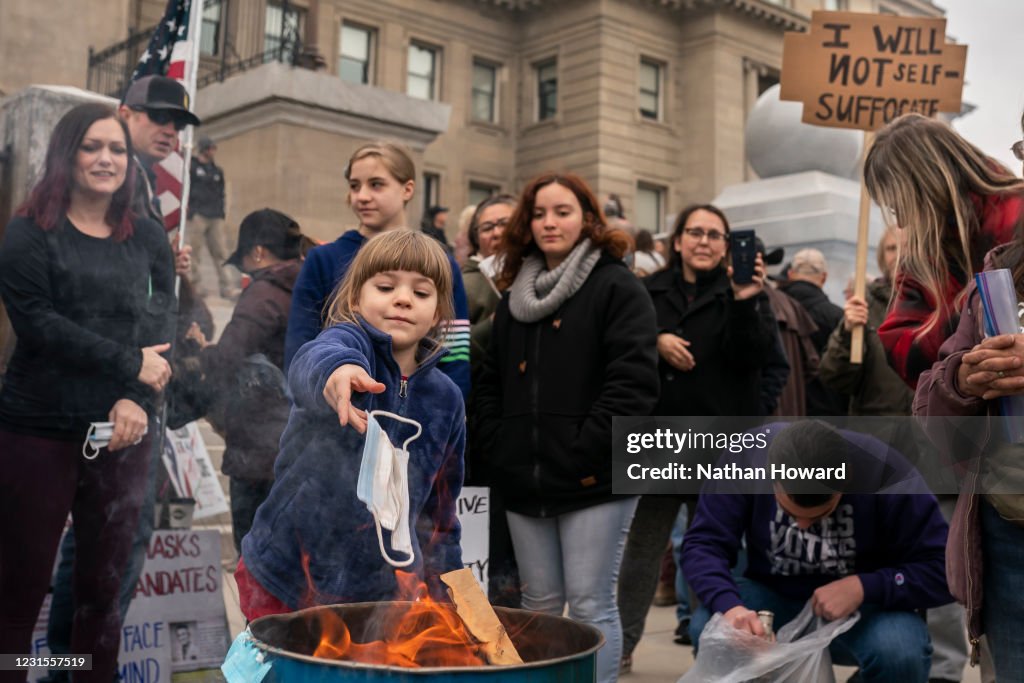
646,99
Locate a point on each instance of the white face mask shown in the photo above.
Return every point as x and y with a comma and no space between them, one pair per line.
384,485
98,437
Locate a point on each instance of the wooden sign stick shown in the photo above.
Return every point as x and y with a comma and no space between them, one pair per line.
479,617
861,266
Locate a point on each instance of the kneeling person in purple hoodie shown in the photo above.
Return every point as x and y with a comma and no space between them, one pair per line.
880,554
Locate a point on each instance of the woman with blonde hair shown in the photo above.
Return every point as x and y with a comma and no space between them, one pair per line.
381,179
955,204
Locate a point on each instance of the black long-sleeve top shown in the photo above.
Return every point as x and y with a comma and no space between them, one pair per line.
82,309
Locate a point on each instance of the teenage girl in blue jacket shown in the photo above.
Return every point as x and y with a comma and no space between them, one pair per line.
314,541
381,181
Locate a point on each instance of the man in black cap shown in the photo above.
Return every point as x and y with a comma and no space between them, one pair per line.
206,216
155,109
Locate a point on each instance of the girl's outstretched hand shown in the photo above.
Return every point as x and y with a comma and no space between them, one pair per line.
338,394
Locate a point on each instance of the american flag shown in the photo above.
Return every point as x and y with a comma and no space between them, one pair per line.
166,55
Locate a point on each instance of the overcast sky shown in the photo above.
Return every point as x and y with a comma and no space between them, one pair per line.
992,31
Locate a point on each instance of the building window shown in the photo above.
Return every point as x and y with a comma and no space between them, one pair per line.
422,78
209,35
650,208
547,89
485,79
355,53
478,192
431,191
650,89
282,31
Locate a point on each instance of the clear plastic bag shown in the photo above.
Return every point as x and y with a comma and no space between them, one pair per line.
798,655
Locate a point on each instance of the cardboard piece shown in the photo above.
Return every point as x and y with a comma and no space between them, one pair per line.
861,71
479,617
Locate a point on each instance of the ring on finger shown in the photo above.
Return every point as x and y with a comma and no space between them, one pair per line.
1000,374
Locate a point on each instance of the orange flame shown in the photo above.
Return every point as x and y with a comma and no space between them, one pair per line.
429,634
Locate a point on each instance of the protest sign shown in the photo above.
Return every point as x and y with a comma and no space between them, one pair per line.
177,620
191,471
861,71
473,511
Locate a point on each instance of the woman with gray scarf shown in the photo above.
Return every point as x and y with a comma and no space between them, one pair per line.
573,344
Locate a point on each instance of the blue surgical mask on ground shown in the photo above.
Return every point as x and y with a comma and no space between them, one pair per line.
384,484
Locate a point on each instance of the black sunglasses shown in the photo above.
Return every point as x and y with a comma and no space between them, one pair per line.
162,117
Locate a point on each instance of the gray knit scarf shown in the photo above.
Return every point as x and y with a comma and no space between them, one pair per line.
537,293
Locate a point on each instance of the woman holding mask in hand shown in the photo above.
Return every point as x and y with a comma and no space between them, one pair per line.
89,289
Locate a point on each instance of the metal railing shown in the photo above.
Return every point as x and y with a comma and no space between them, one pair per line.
110,69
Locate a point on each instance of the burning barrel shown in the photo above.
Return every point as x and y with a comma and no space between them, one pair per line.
553,649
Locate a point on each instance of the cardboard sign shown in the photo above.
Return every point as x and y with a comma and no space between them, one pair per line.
473,511
177,620
191,471
861,71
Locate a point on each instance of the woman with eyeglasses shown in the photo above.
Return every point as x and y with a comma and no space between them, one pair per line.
485,230
714,336
486,227
954,204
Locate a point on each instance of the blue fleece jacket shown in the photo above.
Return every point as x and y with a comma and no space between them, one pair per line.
312,509
325,266
895,542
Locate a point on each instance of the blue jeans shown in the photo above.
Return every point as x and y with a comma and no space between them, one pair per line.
574,558
682,590
888,645
1003,603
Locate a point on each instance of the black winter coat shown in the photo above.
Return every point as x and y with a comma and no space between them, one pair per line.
730,341
821,400
549,389
245,366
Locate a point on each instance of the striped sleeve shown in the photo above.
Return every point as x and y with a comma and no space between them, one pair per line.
455,363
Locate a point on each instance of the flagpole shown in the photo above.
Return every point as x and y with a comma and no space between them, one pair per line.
195,24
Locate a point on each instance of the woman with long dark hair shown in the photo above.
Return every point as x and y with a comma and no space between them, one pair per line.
573,345
89,290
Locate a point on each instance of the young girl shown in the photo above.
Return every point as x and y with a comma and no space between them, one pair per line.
314,541
381,181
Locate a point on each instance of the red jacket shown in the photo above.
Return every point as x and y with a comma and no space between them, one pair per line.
911,354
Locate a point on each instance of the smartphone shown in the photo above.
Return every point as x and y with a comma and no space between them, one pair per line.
743,249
